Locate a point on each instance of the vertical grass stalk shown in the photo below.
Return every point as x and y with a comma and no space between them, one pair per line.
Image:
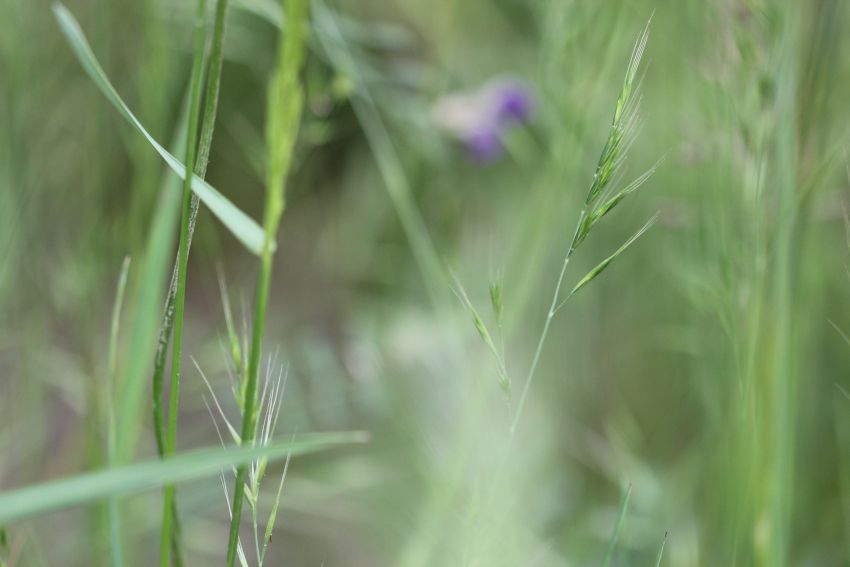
200,169
191,141
286,99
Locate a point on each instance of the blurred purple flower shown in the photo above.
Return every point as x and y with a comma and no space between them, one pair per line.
484,145
480,119
515,101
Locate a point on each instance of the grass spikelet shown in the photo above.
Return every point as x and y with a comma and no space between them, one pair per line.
604,264
624,127
496,301
476,319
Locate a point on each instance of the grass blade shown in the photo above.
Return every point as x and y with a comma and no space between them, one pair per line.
661,551
169,500
610,551
243,227
42,498
114,518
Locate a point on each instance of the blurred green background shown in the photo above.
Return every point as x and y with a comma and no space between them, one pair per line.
702,367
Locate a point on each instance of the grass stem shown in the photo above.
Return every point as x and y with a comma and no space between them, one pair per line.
191,142
200,168
286,99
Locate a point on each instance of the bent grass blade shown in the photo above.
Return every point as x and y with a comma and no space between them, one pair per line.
243,227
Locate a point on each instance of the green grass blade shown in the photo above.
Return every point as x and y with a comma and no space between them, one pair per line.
169,501
42,498
146,304
243,227
610,551
661,551
114,518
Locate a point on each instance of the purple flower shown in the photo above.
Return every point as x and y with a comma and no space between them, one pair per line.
484,145
515,102
480,119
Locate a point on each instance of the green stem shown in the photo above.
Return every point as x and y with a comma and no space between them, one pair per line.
200,168
191,141
552,309
283,116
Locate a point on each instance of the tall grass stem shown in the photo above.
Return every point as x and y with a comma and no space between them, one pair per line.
191,142
286,99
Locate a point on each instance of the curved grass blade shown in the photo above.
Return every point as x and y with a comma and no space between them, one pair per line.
45,497
243,227
610,551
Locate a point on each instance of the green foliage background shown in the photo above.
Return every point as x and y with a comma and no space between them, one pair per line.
700,368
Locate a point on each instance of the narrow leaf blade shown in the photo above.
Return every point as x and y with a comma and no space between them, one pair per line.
243,227
41,498
610,551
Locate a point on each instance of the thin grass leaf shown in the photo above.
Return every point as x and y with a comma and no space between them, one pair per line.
115,546
190,465
243,227
146,308
171,540
622,516
661,551
604,264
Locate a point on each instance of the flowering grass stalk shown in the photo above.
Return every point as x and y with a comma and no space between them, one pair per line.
602,197
600,200
286,99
